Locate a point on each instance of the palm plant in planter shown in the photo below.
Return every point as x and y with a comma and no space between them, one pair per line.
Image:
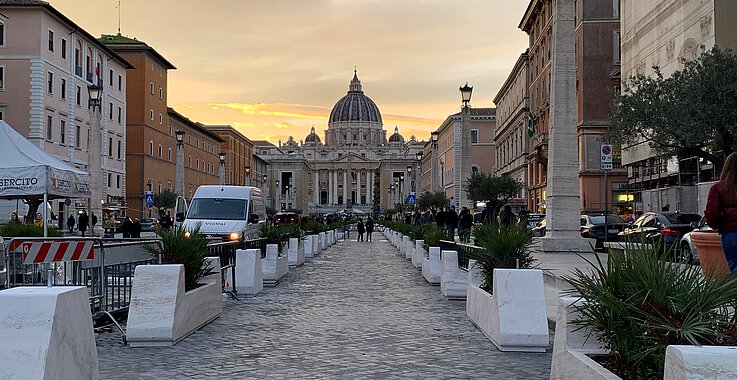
503,247
432,238
280,234
637,305
186,247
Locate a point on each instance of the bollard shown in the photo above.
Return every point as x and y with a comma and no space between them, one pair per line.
49,279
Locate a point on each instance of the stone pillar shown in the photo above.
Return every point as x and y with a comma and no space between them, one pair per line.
563,205
345,187
335,187
370,188
316,187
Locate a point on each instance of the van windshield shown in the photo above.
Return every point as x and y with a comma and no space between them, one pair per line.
217,209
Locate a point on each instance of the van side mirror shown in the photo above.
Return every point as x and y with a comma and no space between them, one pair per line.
179,217
694,224
253,219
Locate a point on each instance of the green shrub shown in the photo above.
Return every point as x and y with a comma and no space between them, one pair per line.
433,237
503,247
637,305
187,247
26,230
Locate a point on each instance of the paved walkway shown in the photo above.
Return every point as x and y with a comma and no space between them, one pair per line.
357,311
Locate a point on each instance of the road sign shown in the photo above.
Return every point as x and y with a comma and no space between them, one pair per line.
411,199
149,197
606,157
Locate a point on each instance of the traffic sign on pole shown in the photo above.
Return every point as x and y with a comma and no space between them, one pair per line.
149,197
606,157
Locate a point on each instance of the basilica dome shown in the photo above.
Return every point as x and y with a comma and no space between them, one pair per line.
355,106
312,138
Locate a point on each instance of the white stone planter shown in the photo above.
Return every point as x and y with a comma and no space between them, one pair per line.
308,247
248,275
452,278
705,362
514,318
409,248
315,245
571,347
296,252
431,266
274,266
47,334
418,254
161,313
323,241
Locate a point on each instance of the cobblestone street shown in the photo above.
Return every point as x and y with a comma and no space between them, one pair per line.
358,310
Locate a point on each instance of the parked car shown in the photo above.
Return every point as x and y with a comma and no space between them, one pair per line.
148,224
592,227
534,219
663,230
688,250
285,218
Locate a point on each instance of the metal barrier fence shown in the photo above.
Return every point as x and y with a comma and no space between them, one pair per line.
226,252
259,243
108,276
465,251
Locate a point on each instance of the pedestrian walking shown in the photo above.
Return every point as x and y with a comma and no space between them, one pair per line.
451,221
721,209
94,222
507,217
70,223
361,229
84,221
465,222
369,228
136,228
127,227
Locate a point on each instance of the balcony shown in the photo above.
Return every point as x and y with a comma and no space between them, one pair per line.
538,139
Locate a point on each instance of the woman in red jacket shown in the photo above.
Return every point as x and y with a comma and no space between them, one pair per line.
721,209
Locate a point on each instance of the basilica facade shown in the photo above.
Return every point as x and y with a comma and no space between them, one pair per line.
350,166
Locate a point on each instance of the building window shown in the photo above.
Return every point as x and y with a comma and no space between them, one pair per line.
2,33
161,119
51,41
50,83
161,93
79,96
110,113
615,9
169,153
110,147
151,147
62,131
617,47
63,88
151,87
474,136
49,126
117,181
2,78
78,136
120,147
109,179
63,49
151,115
111,78
120,83
161,149
120,115
2,113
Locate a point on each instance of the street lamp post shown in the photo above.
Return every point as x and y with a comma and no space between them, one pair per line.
277,196
248,175
463,163
434,161
401,194
221,156
94,159
180,162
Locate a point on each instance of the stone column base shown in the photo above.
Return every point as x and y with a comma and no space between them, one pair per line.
566,244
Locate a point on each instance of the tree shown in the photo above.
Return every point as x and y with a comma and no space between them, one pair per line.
494,190
165,200
691,113
429,200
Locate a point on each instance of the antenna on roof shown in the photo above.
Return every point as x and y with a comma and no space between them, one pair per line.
118,7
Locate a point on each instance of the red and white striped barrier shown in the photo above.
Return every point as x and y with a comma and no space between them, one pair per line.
47,252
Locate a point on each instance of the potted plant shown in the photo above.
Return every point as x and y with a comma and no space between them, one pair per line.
505,297
174,299
637,305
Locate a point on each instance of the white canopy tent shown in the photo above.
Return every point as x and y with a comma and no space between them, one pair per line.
26,171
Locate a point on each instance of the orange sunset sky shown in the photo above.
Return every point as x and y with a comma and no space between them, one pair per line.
275,68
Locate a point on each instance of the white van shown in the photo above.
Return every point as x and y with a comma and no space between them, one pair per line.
229,212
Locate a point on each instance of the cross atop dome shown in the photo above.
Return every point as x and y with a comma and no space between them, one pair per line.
355,85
